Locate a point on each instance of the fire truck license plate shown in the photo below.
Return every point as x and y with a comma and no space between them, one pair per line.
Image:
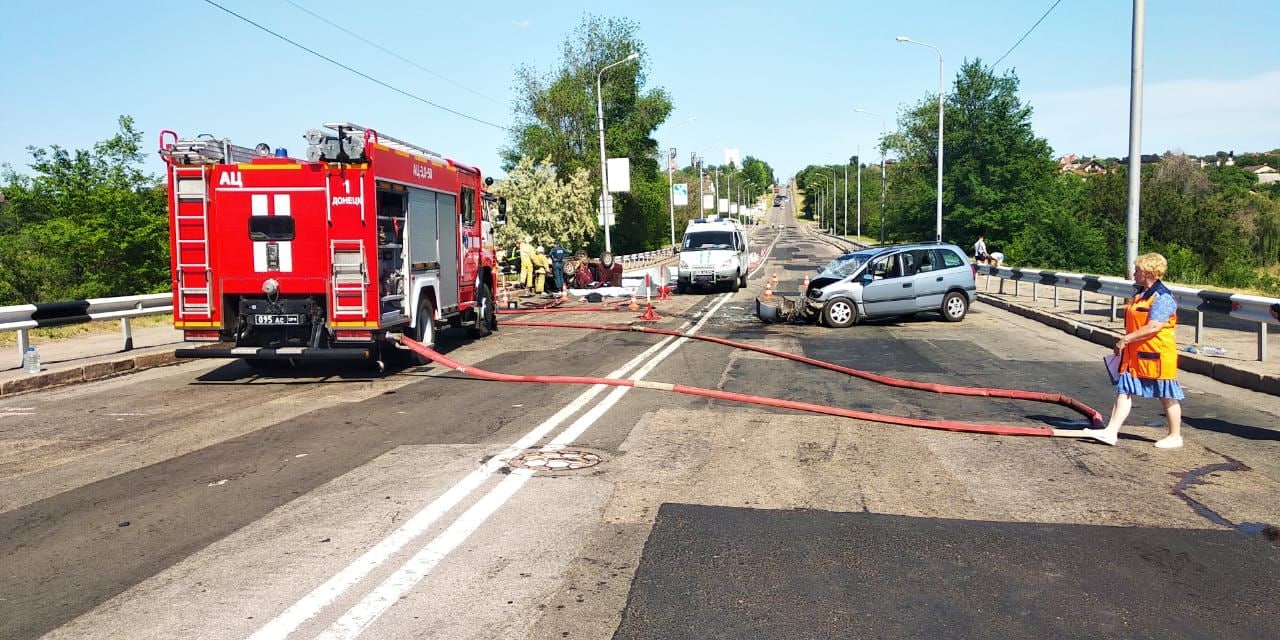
277,318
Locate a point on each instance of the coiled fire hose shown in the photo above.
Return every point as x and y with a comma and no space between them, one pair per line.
946,425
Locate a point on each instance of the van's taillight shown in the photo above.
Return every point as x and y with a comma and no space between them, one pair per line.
344,335
201,336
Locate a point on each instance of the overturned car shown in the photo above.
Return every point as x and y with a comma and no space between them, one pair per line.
879,282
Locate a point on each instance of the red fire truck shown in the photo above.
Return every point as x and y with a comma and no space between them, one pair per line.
325,258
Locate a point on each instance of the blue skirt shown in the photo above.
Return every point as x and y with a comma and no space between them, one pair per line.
1145,388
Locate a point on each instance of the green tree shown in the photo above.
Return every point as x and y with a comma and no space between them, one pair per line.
549,209
758,172
84,223
556,120
997,175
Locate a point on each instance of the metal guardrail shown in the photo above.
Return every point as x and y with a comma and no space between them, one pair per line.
1261,311
646,258
24,317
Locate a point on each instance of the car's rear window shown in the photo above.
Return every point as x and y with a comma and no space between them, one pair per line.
950,258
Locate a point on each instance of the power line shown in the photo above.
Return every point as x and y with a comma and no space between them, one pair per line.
357,72
390,52
1024,36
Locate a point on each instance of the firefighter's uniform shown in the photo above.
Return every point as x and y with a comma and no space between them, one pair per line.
540,266
526,263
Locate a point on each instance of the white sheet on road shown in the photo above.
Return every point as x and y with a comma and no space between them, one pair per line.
608,292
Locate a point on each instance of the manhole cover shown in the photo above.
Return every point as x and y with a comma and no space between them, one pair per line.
562,460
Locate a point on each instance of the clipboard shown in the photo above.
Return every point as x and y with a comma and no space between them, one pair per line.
1112,363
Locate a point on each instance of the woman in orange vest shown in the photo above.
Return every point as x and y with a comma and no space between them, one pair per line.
1148,353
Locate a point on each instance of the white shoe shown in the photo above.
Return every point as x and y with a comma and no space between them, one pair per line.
1101,435
1169,442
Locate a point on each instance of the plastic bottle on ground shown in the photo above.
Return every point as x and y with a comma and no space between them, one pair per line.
31,360
1192,348
1213,351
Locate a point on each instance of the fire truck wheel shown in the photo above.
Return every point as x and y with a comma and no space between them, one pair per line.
425,332
485,315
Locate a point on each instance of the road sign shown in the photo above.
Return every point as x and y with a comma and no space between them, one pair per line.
619,174
680,194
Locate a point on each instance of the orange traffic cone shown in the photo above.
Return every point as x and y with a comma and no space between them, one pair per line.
502,296
650,314
634,306
804,288
664,289
768,290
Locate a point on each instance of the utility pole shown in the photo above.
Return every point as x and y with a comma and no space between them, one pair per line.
858,168
671,196
1135,140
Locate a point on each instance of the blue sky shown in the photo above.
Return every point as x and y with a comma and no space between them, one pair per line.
776,80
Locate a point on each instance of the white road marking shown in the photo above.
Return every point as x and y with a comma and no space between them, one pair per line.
359,617
324,595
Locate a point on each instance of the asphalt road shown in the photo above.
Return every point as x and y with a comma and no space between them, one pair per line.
205,501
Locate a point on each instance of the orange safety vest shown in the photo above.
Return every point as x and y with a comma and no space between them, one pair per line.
1155,358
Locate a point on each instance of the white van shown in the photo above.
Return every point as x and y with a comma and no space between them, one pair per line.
713,253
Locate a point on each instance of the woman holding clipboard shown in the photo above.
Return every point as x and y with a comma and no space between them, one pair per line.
1148,354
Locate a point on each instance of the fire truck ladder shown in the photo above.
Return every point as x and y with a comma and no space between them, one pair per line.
385,140
206,149
191,237
350,277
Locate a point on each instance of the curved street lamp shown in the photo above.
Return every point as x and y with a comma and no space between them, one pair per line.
881,176
941,110
606,214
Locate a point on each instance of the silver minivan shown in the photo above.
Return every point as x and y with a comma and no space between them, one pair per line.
882,282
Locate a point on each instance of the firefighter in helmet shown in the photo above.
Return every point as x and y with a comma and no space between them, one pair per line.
540,267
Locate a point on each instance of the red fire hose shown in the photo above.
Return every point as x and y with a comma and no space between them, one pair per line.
946,425
1014,394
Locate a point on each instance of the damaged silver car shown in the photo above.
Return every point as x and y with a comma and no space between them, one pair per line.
881,282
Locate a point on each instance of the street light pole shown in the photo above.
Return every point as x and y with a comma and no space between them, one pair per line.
832,179
1135,137
858,168
882,182
606,213
941,111
671,196
846,198
701,189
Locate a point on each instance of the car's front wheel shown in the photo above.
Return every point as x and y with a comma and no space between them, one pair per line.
839,313
954,306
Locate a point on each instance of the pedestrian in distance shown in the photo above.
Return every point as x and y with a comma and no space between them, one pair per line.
980,251
1148,354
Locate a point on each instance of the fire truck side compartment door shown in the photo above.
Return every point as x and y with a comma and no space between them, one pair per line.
447,224
421,230
433,240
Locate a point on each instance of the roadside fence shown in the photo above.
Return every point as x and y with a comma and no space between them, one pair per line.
1258,311
24,317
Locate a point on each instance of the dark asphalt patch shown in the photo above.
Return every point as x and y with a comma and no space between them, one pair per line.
722,572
